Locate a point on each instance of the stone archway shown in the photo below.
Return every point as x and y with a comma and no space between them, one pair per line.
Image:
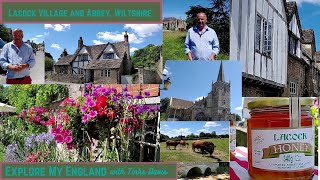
207,171
195,171
200,117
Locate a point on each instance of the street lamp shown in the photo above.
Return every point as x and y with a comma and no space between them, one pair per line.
166,84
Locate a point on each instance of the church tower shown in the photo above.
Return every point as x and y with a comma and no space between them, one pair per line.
220,97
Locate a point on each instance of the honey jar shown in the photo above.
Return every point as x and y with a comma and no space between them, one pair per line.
232,140
281,139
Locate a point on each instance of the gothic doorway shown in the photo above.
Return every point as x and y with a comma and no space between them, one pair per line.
201,117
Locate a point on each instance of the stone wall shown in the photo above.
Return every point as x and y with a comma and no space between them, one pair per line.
113,79
296,73
68,78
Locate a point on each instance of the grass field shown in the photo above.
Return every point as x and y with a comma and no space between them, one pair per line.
182,154
173,46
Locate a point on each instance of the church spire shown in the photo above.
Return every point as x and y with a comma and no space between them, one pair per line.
221,76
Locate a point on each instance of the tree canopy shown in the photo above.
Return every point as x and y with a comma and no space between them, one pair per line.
217,18
146,56
26,96
4,34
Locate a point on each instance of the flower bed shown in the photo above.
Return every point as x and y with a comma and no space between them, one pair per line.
99,126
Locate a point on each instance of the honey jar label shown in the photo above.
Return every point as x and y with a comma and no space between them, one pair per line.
232,138
283,149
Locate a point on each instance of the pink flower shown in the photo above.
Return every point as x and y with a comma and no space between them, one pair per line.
85,118
56,131
68,139
93,114
84,109
69,146
88,86
65,132
59,138
91,104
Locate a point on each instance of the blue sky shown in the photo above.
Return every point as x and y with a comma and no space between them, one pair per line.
178,8
192,79
175,128
60,36
31,32
309,13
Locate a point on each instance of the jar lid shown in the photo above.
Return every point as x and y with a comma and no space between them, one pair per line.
278,101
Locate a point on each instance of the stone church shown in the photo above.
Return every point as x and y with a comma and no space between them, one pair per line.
214,107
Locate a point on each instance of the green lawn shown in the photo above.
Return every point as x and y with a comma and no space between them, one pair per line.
181,154
173,46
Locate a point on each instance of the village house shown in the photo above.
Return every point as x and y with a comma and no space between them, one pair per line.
214,107
174,24
280,59
298,59
259,39
104,63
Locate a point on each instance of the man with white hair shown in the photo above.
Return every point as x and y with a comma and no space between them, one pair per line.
201,41
17,58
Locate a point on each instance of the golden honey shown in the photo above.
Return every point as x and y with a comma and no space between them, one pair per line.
232,140
276,148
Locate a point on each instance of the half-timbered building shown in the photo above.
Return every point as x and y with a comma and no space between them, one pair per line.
259,39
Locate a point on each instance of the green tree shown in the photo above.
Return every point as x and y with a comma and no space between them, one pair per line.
217,18
3,97
238,117
49,64
202,135
46,54
4,34
26,96
213,134
146,56
163,108
164,103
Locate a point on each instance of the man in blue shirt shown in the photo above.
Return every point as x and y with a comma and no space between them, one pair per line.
201,42
17,58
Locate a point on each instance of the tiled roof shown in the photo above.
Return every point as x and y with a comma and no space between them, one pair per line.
307,36
95,51
180,103
66,60
103,64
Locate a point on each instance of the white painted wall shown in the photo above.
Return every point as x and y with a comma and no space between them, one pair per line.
106,50
242,38
81,64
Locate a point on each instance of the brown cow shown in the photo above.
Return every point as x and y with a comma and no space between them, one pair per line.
172,143
184,143
204,146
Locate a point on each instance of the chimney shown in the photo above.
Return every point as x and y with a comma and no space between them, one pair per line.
126,37
80,43
64,53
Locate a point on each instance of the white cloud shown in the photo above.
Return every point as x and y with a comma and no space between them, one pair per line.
46,33
211,124
56,46
166,71
299,2
38,36
97,42
203,130
144,30
165,125
35,40
199,98
133,49
116,37
57,27
225,129
239,108
177,132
